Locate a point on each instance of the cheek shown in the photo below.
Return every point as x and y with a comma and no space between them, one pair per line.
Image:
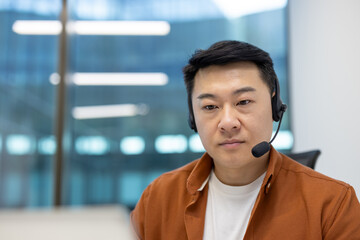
204,126
202,120
259,122
206,130
263,125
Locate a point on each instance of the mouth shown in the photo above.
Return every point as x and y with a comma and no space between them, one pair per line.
231,143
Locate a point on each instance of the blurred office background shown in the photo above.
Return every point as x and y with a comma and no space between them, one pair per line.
125,111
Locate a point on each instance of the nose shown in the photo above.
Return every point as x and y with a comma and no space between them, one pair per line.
229,122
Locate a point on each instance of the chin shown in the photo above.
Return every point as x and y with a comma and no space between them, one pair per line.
234,159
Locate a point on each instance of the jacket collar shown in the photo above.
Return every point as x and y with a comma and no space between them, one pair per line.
199,176
275,162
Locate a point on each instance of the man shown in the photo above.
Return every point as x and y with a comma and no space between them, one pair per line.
241,189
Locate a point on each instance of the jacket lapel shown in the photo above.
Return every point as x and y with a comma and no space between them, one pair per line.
195,215
197,187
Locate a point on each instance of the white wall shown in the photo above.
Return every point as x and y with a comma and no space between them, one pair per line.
325,84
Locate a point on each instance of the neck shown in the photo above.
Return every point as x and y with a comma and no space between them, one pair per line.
243,175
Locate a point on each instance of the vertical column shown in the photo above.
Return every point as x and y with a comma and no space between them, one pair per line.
60,108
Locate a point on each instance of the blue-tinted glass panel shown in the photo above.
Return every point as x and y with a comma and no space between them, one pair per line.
27,101
145,125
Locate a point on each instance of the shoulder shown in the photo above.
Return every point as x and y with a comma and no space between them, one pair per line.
305,174
161,194
172,181
322,192
331,200
176,176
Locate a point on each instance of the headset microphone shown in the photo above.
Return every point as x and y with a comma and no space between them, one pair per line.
263,147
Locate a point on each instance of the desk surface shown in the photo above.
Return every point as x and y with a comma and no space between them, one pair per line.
90,223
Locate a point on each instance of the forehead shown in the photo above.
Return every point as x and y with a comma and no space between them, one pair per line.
222,78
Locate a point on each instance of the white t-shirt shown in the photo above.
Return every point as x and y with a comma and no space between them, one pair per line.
229,208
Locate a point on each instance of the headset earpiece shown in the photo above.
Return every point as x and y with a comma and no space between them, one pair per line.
191,120
278,107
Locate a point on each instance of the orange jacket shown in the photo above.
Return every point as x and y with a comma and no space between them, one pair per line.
294,202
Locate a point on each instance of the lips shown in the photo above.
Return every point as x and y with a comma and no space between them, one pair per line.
231,142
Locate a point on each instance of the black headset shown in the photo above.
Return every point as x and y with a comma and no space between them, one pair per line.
278,107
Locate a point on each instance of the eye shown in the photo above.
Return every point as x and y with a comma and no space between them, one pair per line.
244,102
209,107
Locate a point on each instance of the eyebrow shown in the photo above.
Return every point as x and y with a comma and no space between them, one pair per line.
236,92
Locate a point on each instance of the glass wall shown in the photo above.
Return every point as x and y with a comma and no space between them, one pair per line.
26,105
126,109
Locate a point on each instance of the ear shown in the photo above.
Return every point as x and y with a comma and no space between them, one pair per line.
273,94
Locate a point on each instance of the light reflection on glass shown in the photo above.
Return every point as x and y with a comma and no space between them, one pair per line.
284,140
91,145
19,144
171,144
47,145
132,145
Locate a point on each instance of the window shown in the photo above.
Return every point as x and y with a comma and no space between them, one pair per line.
118,137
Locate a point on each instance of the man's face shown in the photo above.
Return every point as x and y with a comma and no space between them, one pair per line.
232,110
